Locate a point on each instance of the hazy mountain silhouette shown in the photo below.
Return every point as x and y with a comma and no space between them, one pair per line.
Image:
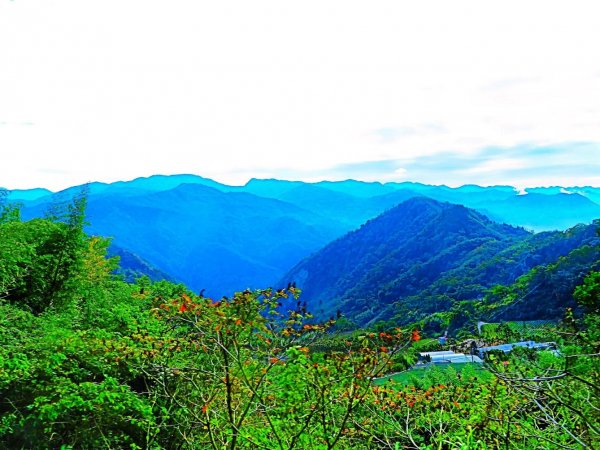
221,238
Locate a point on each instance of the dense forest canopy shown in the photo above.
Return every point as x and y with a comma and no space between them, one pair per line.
88,360
425,256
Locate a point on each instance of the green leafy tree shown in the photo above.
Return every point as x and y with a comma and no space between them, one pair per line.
45,262
588,294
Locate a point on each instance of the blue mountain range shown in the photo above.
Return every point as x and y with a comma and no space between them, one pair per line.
223,238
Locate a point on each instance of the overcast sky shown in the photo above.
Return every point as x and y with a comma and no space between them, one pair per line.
442,92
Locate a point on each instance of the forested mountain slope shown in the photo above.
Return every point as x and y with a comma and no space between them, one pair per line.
132,266
546,291
224,238
422,257
206,238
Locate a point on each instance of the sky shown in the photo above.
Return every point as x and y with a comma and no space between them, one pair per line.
439,92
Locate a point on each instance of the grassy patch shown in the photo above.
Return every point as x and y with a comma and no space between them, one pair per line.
428,375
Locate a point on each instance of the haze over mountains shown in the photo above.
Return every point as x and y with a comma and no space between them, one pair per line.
223,238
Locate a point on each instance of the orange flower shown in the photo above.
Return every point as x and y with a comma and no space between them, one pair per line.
416,336
183,308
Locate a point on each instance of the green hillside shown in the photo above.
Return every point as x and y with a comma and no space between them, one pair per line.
89,361
425,256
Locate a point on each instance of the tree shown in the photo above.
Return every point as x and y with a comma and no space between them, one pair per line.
244,375
8,211
588,294
43,262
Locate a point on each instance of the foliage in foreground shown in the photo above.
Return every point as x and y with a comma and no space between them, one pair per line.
88,361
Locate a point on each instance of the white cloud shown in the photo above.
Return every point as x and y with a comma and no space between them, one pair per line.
230,90
496,165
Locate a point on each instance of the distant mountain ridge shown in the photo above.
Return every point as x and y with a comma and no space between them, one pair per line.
353,202
209,239
222,238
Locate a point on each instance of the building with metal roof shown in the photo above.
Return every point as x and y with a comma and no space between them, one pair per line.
447,357
507,348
